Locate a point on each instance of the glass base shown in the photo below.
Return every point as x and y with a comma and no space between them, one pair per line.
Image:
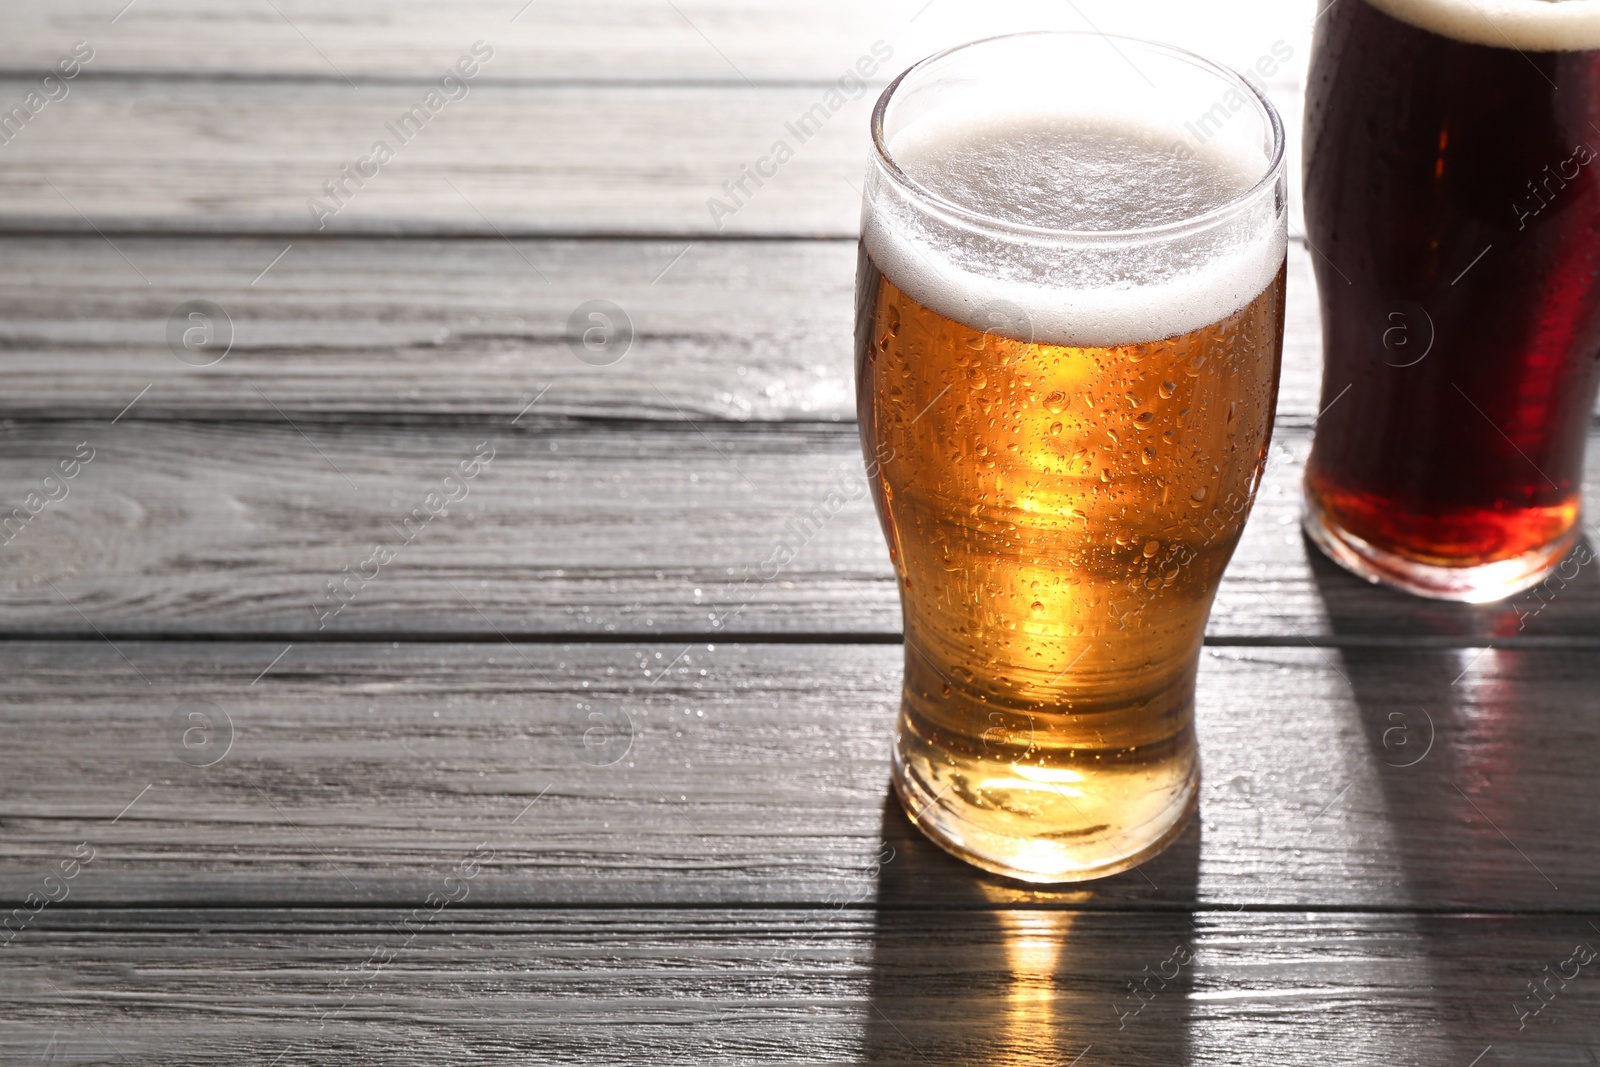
1482,583
1037,858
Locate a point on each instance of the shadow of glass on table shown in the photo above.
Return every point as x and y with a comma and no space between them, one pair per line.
1482,731
969,967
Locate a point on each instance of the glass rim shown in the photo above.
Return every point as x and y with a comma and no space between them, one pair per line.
1275,162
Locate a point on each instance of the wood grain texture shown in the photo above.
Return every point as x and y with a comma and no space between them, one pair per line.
592,40
402,330
577,527
723,773
685,849
1024,987
250,157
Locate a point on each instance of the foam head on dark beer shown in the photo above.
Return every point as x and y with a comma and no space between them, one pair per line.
1526,25
1084,197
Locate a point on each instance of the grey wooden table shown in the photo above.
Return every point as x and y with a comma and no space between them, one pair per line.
387,684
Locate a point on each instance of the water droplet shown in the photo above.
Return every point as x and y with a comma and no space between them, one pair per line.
891,319
1055,429
1144,419
1037,606
1056,402
1151,548
1167,389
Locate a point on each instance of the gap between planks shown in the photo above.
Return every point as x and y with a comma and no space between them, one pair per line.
1419,642
380,912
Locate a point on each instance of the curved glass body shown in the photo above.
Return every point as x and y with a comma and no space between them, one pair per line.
1070,314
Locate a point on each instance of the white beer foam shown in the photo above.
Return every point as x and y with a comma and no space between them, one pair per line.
1083,173
1528,25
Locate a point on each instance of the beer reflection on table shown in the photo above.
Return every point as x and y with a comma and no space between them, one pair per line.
970,967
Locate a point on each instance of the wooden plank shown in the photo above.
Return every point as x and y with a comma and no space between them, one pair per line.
575,40
814,986
258,157
573,527
335,329
678,773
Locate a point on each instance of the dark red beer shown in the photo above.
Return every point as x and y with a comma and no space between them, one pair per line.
1452,199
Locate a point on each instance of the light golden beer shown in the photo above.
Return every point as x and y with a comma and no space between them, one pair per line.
1058,506
1059,519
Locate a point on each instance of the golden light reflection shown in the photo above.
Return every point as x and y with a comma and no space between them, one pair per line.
1042,1021
1051,775
1034,779
1034,1023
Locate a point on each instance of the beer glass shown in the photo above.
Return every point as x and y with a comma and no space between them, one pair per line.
1453,203
1069,322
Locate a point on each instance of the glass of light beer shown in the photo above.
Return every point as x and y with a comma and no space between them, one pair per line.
1069,323
1452,194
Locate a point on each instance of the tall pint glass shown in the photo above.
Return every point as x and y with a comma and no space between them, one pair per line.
1069,322
1453,199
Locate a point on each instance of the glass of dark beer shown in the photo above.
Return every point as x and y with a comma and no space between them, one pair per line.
1452,198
